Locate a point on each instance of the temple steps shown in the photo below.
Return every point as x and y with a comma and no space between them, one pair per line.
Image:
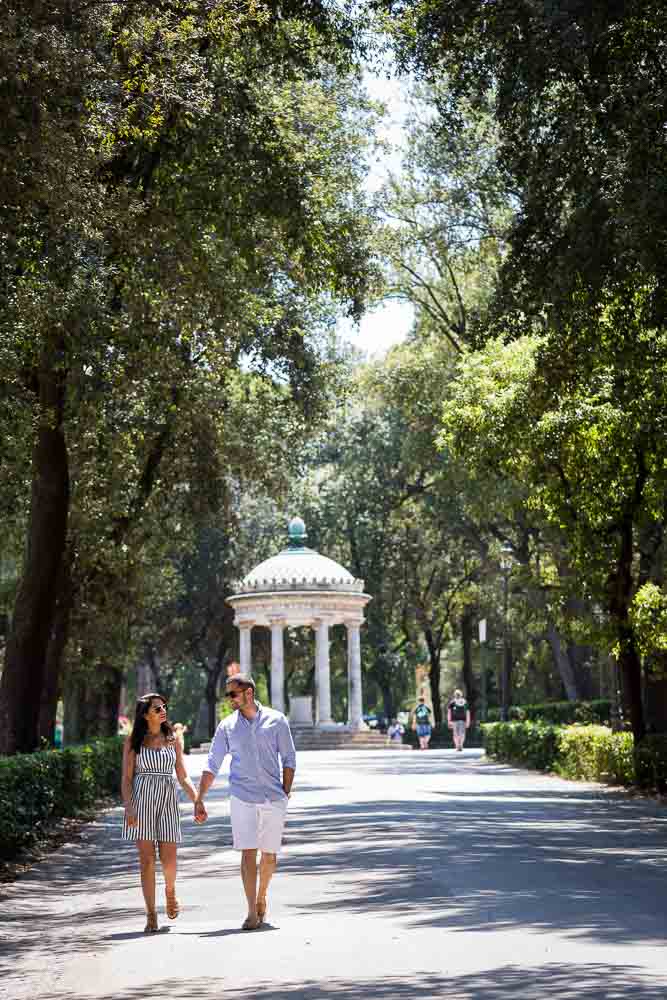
327,739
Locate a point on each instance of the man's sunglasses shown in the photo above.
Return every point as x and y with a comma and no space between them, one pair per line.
233,694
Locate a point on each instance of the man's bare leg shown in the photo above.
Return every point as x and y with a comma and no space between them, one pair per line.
267,866
249,876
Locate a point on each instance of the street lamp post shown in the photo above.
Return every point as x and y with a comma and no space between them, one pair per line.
505,568
482,669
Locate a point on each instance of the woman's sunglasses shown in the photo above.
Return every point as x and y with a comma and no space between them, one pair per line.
157,708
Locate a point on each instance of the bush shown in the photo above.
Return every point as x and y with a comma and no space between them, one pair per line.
442,737
532,743
558,713
595,753
591,753
37,788
651,762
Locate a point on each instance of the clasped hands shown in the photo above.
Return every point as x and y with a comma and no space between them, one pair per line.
200,811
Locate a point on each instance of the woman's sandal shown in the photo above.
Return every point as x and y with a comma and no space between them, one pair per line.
261,912
151,922
249,924
173,907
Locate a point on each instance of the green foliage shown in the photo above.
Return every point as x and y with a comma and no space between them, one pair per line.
648,614
441,736
595,753
651,762
558,713
590,753
532,743
37,788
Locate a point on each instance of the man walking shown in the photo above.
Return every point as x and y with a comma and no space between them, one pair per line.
259,741
458,718
423,723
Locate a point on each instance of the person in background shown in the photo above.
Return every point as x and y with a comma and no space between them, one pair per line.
422,717
458,718
150,756
395,732
260,782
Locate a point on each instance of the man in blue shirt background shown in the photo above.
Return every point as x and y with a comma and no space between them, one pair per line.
259,741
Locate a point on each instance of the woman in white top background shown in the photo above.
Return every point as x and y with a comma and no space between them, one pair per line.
151,756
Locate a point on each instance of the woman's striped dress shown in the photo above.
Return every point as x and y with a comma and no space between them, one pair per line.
154,797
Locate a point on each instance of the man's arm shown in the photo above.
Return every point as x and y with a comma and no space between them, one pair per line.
217,753
287,753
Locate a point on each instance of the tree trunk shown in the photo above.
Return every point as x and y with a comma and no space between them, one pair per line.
434,674
388,701
656,700
32,623
211,703
92,699
562,663
506,677
53,680
468,675
629,662
580,658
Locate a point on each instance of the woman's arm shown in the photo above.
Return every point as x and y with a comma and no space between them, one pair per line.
129,758
182,774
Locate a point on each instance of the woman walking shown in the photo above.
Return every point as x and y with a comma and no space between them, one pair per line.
150,756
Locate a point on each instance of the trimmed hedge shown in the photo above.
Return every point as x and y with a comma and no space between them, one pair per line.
442,737
532,743
37,788
590,753
558,713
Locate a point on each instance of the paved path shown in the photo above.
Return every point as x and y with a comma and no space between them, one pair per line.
406,875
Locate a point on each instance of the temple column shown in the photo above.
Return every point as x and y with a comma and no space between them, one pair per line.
245,646
323,671
277,665
355,711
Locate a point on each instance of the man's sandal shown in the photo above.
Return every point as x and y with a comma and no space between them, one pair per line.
173,908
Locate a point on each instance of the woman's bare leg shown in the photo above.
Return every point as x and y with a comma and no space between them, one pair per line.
168,860
146,850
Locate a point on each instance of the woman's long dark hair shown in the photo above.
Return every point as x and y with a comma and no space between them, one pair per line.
140,727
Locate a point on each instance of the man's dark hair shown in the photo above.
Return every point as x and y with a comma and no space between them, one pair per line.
243,680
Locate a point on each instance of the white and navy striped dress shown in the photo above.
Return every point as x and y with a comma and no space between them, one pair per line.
154,797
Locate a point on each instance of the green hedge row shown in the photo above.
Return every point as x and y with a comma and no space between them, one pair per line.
442,737
558,713
591,753
37,788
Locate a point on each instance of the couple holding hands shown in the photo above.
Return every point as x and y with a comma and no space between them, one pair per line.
260,781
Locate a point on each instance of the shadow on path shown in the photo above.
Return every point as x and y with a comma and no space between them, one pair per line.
558,982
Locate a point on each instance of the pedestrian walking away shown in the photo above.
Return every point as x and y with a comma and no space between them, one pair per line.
422,715
458,718
151,756
260,782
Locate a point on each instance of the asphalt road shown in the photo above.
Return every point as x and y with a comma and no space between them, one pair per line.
405,875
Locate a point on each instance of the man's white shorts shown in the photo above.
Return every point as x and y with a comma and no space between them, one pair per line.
258,824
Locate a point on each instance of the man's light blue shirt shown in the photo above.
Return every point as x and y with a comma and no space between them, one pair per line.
257,746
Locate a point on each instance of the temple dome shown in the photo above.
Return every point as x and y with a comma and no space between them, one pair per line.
299,568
